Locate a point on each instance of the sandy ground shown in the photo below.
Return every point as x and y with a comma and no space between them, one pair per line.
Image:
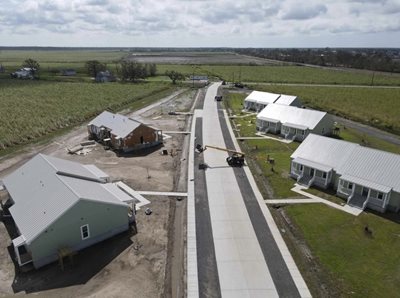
127,265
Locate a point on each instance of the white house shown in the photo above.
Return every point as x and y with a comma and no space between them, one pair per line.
289,100
258,100
365,177
293,122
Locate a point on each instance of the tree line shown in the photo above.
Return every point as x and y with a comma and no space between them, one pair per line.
371,59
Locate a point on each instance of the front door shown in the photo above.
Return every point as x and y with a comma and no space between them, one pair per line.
312,172
365,192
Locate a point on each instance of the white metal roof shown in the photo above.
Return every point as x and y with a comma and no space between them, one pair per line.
313,164
294,115
376,166
42,193
326,151
366,183
119,125
379,169
262,97
286,99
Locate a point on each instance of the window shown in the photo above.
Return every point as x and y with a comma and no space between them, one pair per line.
380,196
324,175
85,232
350,186
301,168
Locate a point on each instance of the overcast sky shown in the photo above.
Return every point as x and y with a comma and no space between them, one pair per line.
201,23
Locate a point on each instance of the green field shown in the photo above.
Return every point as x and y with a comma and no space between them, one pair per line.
366,265
31,109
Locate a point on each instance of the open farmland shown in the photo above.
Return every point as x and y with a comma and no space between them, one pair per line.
29,110
376,107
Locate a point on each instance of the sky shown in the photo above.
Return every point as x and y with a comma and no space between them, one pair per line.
200,23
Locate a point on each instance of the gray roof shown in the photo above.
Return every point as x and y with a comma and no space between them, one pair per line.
376,169
325,151
294,115
118,124
262,97
286,99
45,187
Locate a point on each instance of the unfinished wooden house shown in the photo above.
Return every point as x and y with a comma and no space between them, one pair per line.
123,133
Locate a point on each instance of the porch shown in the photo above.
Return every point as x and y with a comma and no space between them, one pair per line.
22,255
268,125
311,173
361,193
294,131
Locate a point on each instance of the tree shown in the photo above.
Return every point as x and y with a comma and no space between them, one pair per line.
151,69
174,76
32,64
132,71
93,67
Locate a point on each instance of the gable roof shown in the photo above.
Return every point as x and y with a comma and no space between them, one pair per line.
286,99
292,115
262,97
46,187
378,168
119,125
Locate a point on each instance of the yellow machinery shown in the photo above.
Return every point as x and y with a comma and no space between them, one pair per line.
235,159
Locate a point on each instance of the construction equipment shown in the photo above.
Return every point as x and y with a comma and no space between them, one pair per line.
235,159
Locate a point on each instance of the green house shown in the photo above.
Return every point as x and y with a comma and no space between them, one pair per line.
59,205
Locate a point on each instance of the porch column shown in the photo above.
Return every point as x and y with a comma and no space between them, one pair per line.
17,255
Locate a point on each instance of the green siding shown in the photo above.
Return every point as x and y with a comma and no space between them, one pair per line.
102,219
394,201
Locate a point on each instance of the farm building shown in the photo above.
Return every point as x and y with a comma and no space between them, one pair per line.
199,80
62,206
292,122
105,76
258,100
123,133
365,177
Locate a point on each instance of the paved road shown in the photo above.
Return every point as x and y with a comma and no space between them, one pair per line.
372,131
240,251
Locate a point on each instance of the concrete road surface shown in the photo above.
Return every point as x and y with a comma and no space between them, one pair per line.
238,253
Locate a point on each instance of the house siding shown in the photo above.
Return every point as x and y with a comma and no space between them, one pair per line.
324,127
394,202
104,220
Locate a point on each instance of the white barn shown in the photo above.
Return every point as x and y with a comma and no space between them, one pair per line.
258,100
365,177
293,122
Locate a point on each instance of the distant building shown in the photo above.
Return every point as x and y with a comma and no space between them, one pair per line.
123,133
199,80
292,122
258,100
61,206
24,73
2,69
105,76
365,177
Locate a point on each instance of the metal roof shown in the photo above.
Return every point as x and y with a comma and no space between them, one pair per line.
262,97
118,124
312,164
376,168
286,99
42,193
294,115
366,183
326,151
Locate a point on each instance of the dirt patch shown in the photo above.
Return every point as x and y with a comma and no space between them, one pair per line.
127,265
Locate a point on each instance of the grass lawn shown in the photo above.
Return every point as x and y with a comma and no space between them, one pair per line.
367,266
32,109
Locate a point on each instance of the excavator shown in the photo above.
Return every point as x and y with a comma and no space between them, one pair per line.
235,159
